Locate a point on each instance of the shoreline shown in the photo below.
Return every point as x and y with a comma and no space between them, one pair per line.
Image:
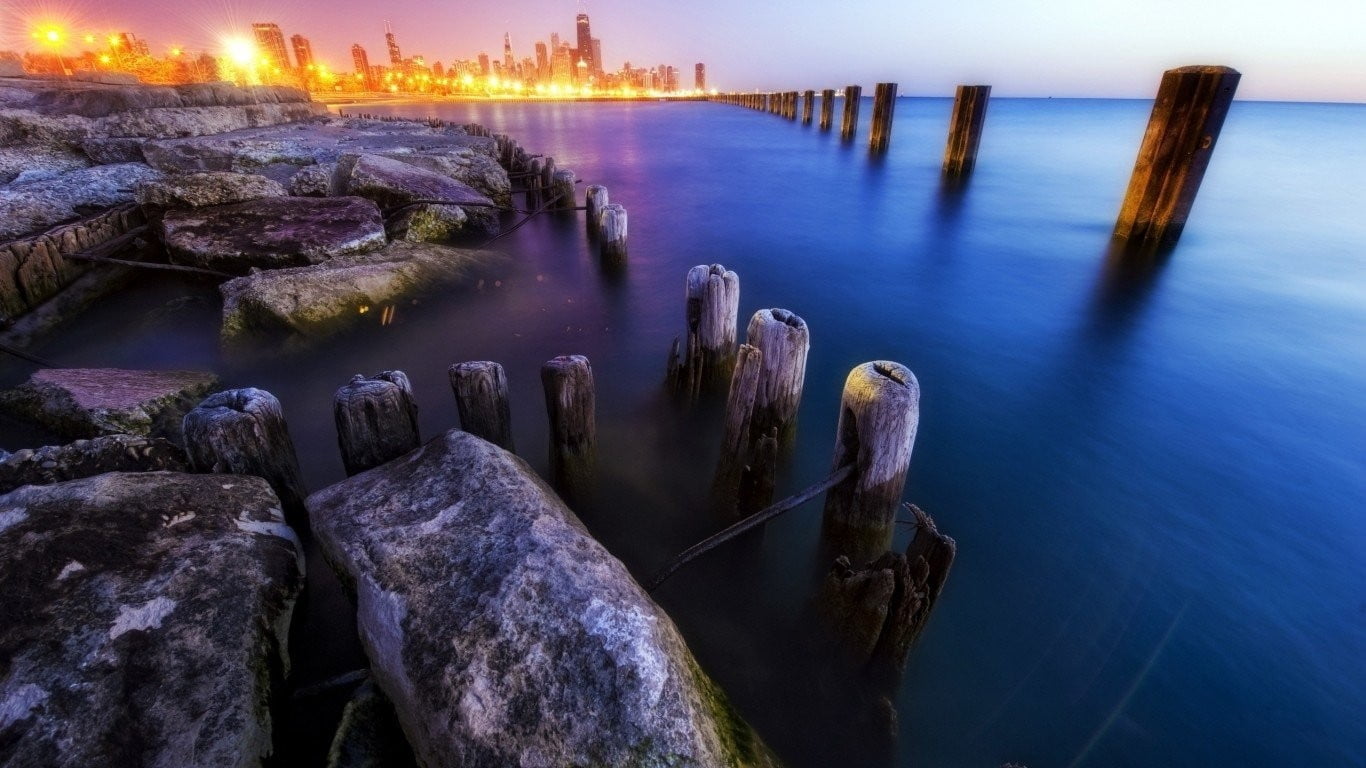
418,98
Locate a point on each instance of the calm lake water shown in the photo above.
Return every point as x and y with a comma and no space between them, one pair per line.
1154,476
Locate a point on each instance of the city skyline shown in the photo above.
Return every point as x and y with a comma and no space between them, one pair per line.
1024,48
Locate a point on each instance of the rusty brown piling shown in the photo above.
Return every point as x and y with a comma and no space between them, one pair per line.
965,129
852,96
827,109
808,106
1187,116
884,106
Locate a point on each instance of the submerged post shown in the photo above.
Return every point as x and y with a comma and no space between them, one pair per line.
879,413
595,199
852,95
612,234
481,396
744,385
884,105
965,129
784,340
827,109
243,432
808,106
376,420
1185,123
570,404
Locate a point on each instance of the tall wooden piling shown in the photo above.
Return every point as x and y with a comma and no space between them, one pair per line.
481,396
595,198
808,106
376,420
1182,130
784,340
852,96
243,432
884,105
547,180
570,405
712,311
827,109
735,439
562,190
879,413
612,234
535,170
965,129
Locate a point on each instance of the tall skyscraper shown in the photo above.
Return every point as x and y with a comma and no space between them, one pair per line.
361,62
395,56
597,57
271,42
542,63
508,62
585,53
700,76
484,64
554,42
303,51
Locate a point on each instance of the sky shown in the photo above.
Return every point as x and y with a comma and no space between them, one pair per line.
1301,50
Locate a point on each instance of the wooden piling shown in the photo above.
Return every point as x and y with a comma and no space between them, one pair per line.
735,439
784,340
612,234
535,173
376,420
481,396
879,413
827,109
884,106
852,96
808,106
547,180
243,432
562,190
1187,116
595,198
965,129
712,311
569,403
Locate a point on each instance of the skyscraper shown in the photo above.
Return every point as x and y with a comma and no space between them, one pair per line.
542,63
361,62
271,42
484,64
700,76
508,62
303,51
597,57
585,53
395,56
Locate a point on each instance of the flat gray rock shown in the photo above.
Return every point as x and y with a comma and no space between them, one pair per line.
145,620
503,633
200,190
392,183
272,233
467,166
34,206
89,402
87,458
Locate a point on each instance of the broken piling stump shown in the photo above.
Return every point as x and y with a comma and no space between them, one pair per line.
827,109
965,129
744,384
612,235
595,198
570,405
481,396
808,106
243,432
852,96
784,340
884,106
712,311
562,190
376,420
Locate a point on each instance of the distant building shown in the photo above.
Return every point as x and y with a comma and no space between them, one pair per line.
484,64
270,41
508,62
585,52
303,51
562,66
438,70
542,63
597,57
361,63
395,56
699,78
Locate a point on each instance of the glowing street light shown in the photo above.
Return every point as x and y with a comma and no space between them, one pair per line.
240,50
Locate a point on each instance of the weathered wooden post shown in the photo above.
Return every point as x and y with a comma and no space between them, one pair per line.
965,129
562,190
784,340
808,106
827,109
595,199
612,234
535,172
569,402
884,105
547,180
376,420
879,413
481,396
1182,130
243,432
852,96
792,105
744,385
712,310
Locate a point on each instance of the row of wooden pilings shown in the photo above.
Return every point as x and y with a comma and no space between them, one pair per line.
1188,114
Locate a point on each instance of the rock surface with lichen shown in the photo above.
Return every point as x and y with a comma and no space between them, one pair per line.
89,402
86,458
145,620
503,633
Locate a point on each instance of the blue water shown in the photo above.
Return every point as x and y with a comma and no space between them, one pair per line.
1154,475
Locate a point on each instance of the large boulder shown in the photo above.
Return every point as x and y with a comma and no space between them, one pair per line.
272,233
199,190
86,458
392,184
307,303
40,204
467,166
22,164
503,633
89,402
226,153
144,621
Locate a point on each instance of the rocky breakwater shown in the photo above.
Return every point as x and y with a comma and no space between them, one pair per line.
503,633
145,620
